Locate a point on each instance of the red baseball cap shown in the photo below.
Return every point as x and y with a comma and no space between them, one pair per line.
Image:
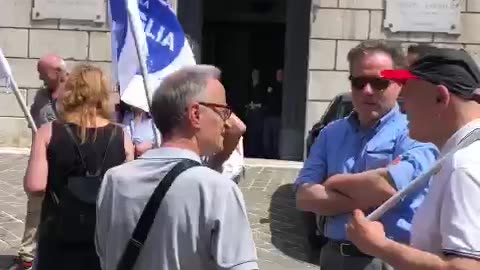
400,76
455,69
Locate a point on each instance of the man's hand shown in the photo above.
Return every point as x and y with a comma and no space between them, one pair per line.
235,127
234,130
368,236
142,147
371,188
317,199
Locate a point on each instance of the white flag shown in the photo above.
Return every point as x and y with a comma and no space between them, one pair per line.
5,72
162,39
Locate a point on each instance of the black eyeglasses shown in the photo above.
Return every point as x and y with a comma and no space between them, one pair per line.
377,84
224,111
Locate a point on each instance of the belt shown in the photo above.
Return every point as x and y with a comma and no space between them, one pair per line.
347,249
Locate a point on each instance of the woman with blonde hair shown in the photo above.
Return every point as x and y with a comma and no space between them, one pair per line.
68,159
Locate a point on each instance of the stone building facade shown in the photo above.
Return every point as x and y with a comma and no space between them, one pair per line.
23,41
338,25
335,27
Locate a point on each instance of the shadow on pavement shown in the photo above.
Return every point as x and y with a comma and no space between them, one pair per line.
7,262
287,225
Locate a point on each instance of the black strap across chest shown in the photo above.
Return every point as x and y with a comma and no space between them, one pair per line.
140,233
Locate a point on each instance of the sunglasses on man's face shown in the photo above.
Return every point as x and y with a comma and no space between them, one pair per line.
377,84
224,111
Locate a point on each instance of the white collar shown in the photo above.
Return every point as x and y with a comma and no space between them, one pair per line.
459,135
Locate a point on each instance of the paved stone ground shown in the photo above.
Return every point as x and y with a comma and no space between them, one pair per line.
267,191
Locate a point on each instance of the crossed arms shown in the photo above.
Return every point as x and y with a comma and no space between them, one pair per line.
342,193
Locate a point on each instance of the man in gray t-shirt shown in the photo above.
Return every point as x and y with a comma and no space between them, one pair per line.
52,71
202,222
43,107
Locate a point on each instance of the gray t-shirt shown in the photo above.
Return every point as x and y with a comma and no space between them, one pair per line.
42,109
201,224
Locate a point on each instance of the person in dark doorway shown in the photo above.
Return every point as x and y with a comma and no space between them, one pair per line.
273,113
417,51
254,115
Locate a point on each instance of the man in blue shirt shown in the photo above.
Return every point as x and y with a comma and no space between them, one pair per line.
362,160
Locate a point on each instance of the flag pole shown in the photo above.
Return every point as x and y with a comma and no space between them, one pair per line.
142,59
24,107
422,179
14,87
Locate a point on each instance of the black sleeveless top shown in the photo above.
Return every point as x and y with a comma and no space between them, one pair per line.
64,160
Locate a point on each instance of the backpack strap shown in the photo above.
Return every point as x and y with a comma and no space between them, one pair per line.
53,194
77,148
140,233
73,138
110,139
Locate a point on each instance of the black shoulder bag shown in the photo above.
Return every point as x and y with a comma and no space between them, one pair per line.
75,202
140,233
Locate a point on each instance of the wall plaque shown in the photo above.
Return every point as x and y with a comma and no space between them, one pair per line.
84,10
441,16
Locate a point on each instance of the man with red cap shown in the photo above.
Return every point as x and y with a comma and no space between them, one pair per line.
441,93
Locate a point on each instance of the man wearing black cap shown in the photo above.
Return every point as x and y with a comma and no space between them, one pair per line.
441,94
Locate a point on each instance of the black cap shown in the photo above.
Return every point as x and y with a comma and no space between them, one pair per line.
453,68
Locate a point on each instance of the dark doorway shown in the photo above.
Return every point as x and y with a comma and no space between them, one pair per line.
266,35
237,49
238,43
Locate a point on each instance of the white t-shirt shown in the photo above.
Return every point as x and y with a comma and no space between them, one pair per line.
448,221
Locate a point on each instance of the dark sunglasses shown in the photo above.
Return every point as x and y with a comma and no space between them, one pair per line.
224,111
377,84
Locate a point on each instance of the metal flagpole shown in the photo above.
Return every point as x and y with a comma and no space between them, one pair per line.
5,69
142,59
422,179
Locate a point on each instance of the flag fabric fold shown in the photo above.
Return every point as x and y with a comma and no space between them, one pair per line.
7,80
5,73
162,40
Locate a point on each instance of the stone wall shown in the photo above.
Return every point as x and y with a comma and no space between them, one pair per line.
338,25
23,41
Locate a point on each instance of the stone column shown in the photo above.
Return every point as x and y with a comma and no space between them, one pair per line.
295,80
190,14
173,3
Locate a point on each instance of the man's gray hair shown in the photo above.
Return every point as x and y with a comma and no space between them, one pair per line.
177,91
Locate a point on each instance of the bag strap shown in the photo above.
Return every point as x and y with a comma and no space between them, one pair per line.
77,148
75,142
110,139
140,233
53,194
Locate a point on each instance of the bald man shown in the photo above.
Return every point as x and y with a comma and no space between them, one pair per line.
53,72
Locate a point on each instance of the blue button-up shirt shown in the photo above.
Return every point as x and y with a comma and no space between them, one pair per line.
344,147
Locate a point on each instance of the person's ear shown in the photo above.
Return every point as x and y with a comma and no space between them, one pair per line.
442,96
193,112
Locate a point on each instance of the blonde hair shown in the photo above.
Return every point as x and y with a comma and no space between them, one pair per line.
86,97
